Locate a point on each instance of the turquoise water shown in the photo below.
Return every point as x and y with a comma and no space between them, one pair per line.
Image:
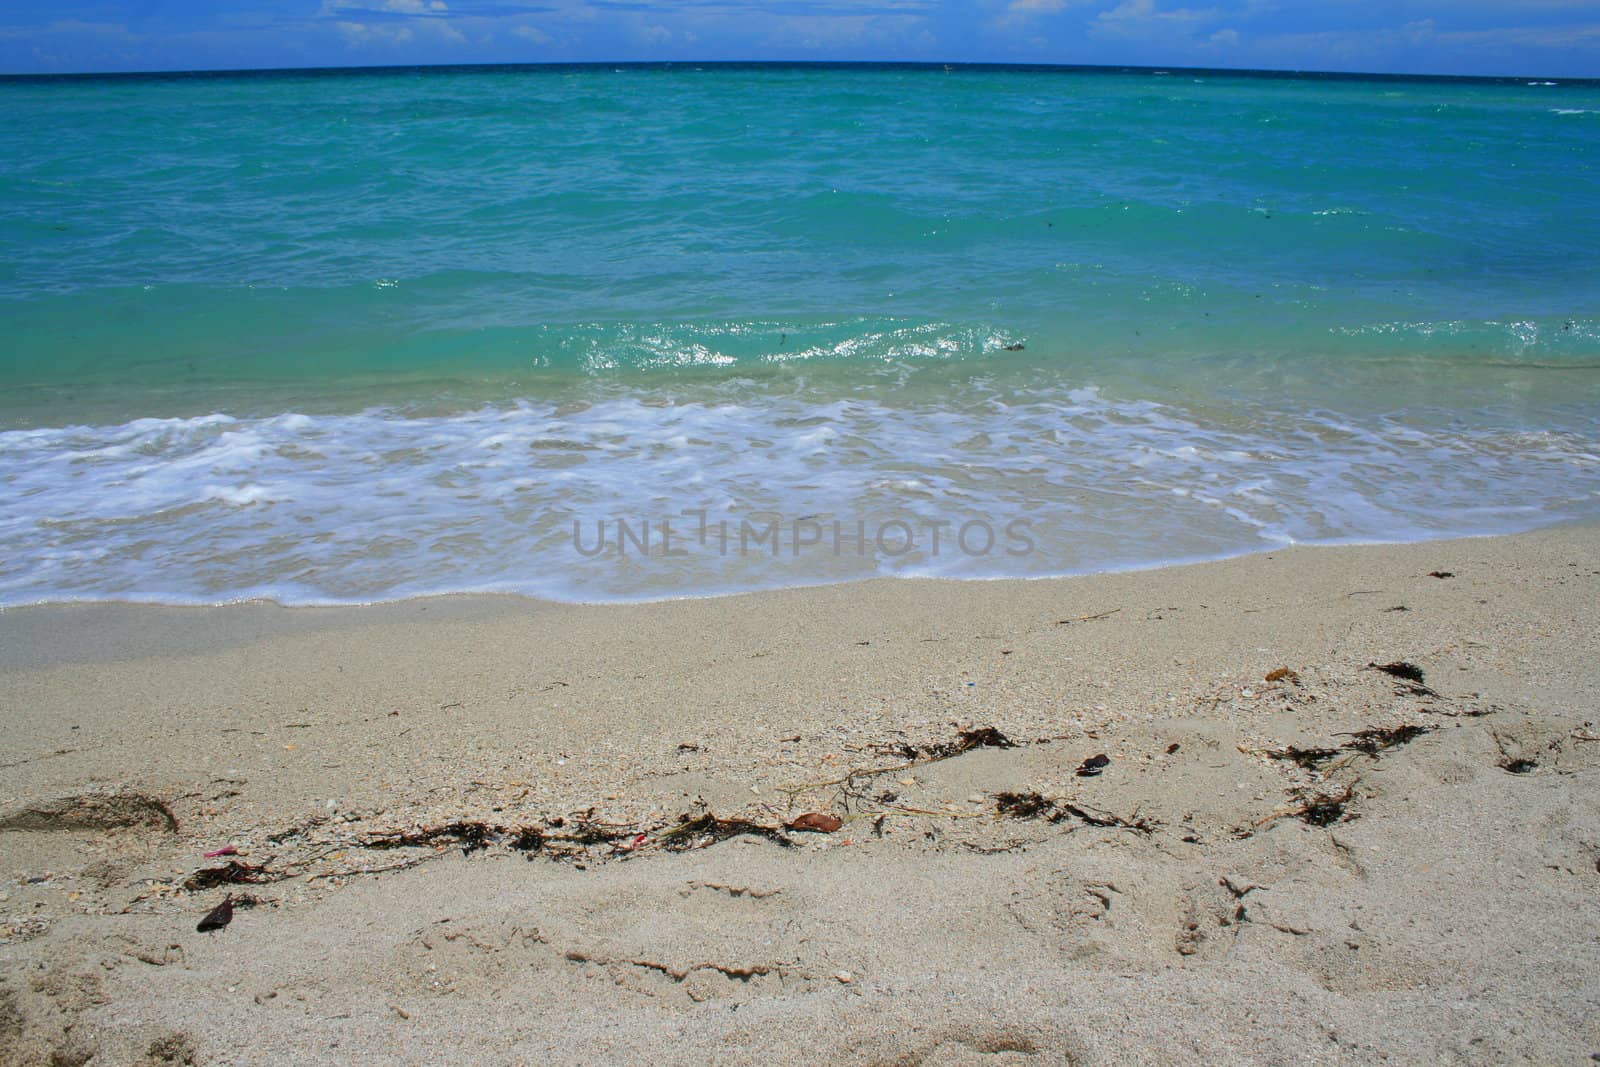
349,336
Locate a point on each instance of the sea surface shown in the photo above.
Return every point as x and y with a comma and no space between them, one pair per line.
618,333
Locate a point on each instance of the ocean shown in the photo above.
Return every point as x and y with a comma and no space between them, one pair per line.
617,333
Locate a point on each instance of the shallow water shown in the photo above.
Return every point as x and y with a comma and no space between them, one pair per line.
363,335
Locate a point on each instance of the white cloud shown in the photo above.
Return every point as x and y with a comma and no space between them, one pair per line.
1145,11
1141,22
1021,15
395,34
389,7
360,34
1375,42
403,23
69,26
531,33
1419,29
821,33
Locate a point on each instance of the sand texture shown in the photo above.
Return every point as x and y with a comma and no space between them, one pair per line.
489,830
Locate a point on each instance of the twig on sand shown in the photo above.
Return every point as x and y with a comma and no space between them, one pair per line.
965,741
1088,618
792,791
896,809
359,871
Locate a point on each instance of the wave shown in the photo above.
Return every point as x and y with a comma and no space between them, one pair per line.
754,492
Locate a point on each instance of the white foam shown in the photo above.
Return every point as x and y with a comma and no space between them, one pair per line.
381,504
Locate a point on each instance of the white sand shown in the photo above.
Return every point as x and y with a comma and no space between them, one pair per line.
1448,913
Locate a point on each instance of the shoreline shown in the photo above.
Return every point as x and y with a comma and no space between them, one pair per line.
981,901
513,600
289,522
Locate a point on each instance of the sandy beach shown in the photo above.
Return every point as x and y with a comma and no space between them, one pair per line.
494,830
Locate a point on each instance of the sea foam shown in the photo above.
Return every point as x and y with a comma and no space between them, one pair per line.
384,504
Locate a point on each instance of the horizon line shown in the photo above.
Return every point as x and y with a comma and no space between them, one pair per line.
933,64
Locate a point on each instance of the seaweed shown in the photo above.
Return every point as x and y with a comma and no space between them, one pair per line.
1310,759
1059,809
1406,672
1322,809
587,830
471,836
231,873
707,829
577,835
526,839
1400,669
1311,807
298,830
852,785
1371,741
965,741
1375,739
1023,805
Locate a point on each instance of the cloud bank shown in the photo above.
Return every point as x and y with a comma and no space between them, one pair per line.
1556,38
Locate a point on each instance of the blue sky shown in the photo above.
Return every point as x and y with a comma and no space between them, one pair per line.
1544,37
